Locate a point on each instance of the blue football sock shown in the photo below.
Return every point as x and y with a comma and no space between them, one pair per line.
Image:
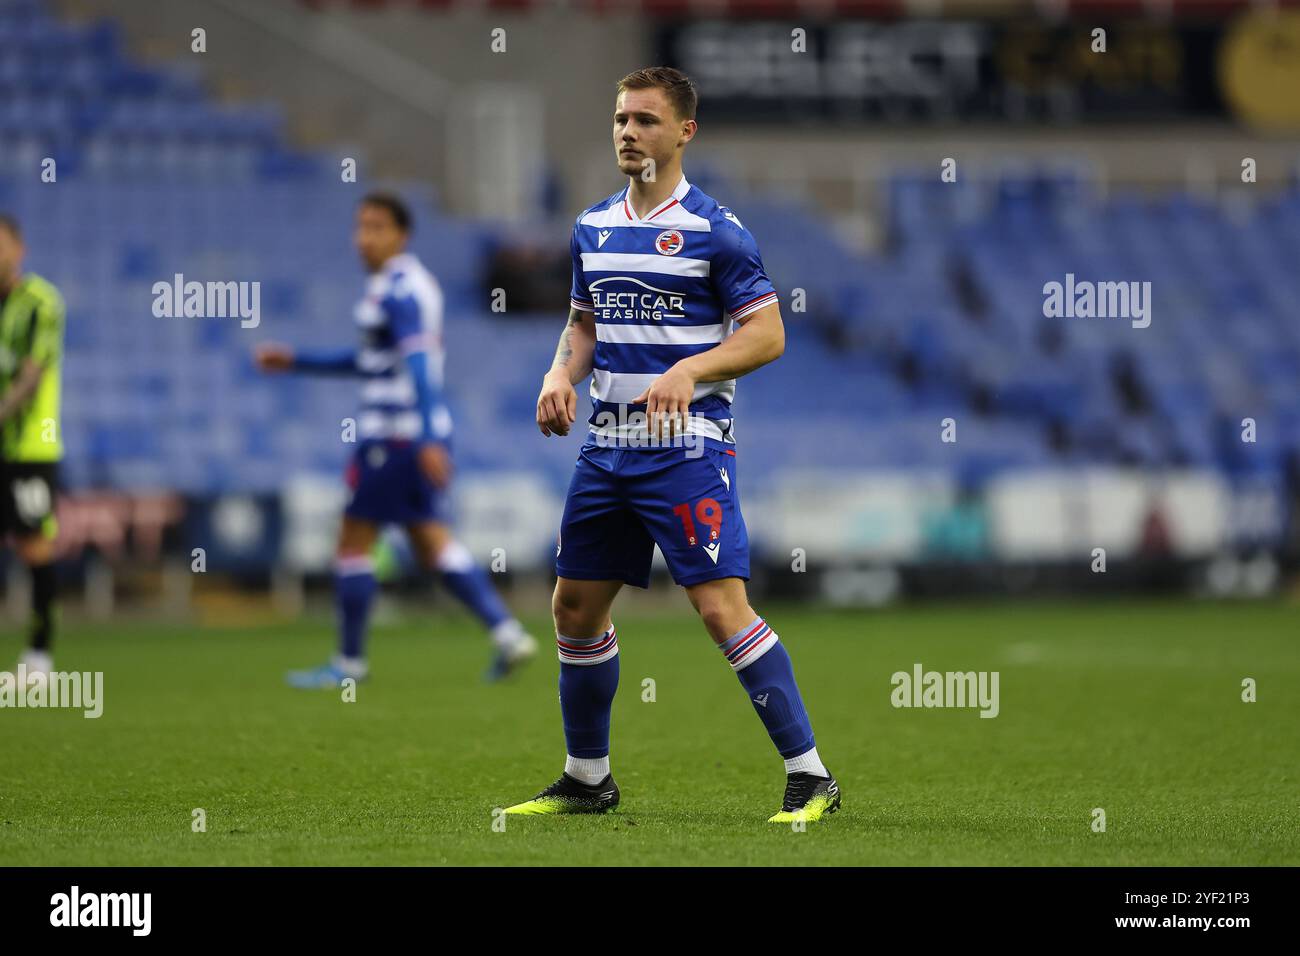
354,590
765,672
466,580
588,680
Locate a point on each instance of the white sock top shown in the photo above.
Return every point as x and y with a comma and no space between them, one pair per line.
807,762
589,770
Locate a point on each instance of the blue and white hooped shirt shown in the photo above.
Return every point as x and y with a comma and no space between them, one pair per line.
662,288
399,316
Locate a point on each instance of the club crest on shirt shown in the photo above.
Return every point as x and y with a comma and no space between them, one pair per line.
669,243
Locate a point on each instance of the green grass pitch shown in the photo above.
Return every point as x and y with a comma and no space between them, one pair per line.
1134,708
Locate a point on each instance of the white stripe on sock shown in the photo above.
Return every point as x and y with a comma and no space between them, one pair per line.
455,558
590,770
807,762
350,666
569,655
507,634
353,564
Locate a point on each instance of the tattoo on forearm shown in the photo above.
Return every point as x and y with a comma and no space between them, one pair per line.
564,351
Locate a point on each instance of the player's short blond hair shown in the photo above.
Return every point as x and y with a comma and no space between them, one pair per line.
677,86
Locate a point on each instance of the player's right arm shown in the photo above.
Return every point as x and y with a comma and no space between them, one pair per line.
276,357
557,405
21,389
44,347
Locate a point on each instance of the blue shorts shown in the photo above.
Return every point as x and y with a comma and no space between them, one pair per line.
624,501
389,488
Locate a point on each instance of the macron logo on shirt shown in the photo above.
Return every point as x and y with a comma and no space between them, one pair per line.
603,235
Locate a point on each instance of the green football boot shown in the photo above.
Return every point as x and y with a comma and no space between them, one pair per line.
568,795
807,798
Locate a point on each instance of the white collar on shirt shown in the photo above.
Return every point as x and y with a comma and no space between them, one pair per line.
682,188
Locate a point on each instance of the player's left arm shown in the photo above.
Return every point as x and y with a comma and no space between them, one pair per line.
45,345
412,340
745,291
759,339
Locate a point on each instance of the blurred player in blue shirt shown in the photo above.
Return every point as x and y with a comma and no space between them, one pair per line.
401,470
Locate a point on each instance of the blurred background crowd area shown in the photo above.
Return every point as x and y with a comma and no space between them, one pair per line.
914,306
